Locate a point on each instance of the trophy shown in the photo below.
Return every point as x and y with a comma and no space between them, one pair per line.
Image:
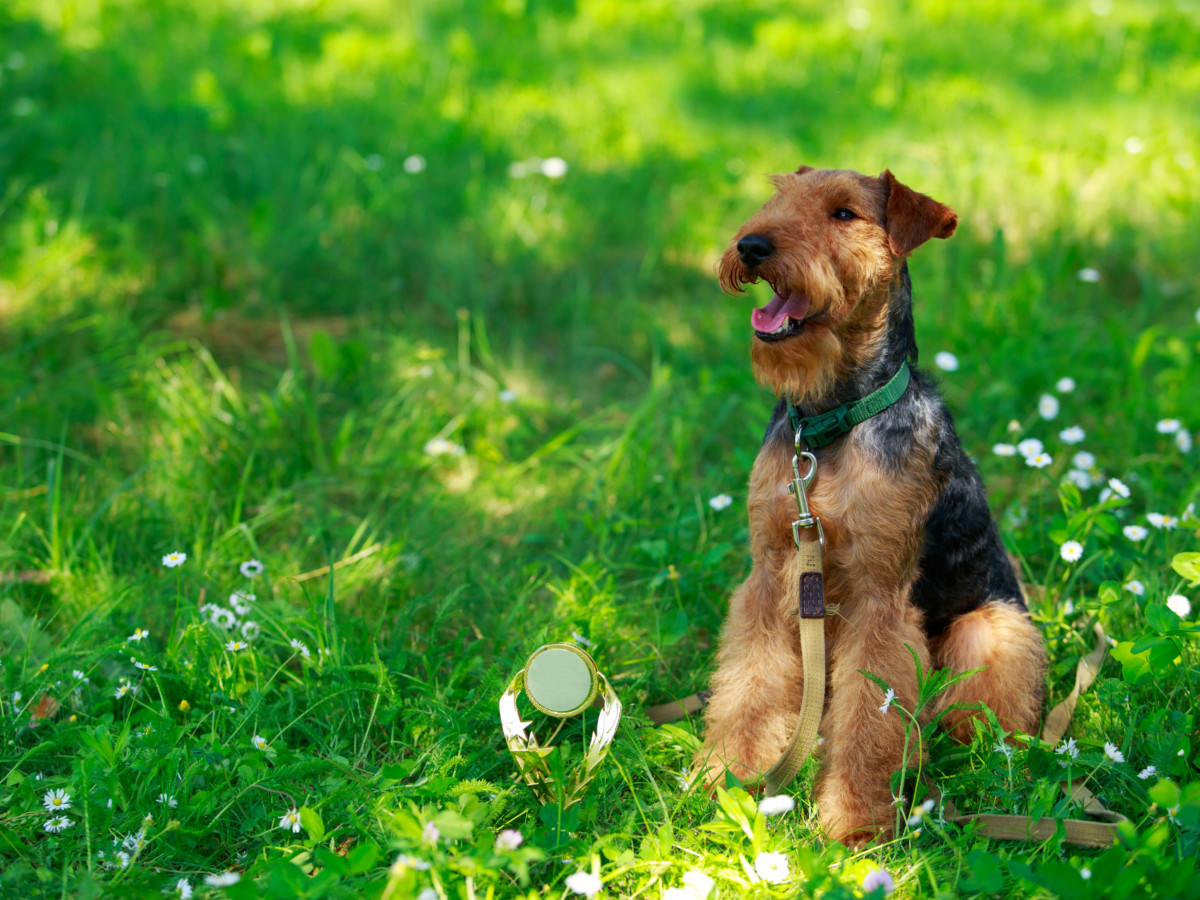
560,680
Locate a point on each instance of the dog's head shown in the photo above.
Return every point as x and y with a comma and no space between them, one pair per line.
831,244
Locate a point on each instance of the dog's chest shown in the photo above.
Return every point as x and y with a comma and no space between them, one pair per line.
773,508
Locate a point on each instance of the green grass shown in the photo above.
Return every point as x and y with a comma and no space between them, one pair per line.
255,257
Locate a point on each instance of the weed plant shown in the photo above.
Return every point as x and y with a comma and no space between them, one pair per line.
351,351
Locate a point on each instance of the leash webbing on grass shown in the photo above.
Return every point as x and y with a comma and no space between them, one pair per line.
1099,831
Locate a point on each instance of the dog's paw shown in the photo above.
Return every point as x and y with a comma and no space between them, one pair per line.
852,819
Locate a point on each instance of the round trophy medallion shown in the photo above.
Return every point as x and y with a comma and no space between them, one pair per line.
561,680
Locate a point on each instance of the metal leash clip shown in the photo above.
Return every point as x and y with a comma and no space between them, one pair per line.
798,487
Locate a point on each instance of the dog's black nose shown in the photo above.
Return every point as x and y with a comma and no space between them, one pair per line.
753,249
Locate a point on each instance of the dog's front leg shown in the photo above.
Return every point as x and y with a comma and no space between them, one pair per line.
863,745
758,685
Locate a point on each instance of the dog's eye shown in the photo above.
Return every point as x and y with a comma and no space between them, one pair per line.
844,215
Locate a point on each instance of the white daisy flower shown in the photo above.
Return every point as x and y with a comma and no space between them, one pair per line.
414,164
1180,605
946,361
1071,551
1158,520
1183,440
1111,751
142,665
241,602
1085,874
774,806
1147,772
170,801
235,646
1072,435
1084,460
1068,748
771,867
222,618
1048,406
1039,460
57,801
698,883
78,675
443,447
430,833
124,689
1004,450
720,501
1135,587
1135,532
250,630
291,819
224,879
260,743
1014,427
1088,276
123,859
134,842
1065,385
55,824
183,887
407,861
887,700
171,560
1080,479
1030,447
585,884
299,646
251,568
139,634
509,839
1167,426
554,167
1120,488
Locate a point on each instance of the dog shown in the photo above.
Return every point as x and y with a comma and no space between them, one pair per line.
912,556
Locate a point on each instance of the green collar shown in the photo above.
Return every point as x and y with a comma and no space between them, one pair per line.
818,431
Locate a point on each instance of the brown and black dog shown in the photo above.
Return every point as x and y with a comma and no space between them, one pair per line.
913,556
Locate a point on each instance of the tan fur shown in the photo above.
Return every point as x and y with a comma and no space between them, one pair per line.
873,521
1003,639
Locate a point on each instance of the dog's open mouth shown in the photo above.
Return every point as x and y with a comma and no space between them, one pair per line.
783,317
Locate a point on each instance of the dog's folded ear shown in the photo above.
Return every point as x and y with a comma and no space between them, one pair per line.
803,169
914,218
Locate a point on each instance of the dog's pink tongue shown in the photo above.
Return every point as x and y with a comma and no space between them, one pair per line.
771,317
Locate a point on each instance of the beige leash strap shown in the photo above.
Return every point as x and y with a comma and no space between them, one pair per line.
807,585
1059,718
1081,832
